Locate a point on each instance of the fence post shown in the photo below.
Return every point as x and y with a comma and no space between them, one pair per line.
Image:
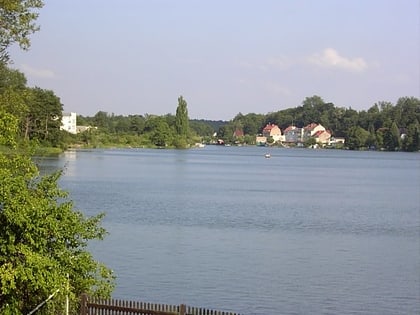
83,304
182,309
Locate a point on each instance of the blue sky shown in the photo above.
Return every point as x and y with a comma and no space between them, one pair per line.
224,57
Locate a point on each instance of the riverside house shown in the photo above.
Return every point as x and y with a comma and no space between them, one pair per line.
322,136
318,132
293,134
270,130
296,135
273,131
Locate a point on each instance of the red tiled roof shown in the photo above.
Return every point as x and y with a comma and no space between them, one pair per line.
320,132
311,126
269,127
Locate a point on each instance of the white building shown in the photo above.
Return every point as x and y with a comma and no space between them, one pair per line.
68,122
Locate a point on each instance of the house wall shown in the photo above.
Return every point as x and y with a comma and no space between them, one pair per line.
293,134
68,122
323,138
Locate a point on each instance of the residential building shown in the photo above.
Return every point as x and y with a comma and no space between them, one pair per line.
311,129
261,140
322,136
68,122
273,131
293,134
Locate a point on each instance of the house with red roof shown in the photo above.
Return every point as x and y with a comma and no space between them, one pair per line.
322,136
311,129
273,131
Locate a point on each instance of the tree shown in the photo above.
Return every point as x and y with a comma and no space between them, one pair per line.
10,78
311,109
251,123
159,131
102,120
225,132
17,23
181,118
392,138
43,120
310,142
14,94
137,123
371,141
411,140
357,138
43,240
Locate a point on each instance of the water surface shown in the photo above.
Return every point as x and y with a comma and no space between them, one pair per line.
304,232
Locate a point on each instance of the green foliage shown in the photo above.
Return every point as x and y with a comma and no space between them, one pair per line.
8,129
357,138
159,131
43,120
391,138
310,142
181,118
251,123
43,240
226,133
270,140
202,128
411,141
17,23
10,78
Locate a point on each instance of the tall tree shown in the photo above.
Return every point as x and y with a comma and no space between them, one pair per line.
17,22
181,118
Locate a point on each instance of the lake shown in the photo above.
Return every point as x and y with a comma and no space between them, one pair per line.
302,232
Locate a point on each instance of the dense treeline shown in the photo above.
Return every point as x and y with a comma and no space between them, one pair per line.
147,130
382,126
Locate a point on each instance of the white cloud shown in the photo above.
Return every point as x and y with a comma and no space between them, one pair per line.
38,73
332,59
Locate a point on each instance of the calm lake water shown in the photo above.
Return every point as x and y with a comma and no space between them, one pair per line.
304,232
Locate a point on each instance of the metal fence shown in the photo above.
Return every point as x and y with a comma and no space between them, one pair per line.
93,306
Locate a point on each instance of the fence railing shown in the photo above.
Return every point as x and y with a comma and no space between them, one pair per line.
93,306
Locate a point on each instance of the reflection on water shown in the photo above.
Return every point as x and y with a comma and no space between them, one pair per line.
306,231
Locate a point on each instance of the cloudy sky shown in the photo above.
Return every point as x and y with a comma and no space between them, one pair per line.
224,56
